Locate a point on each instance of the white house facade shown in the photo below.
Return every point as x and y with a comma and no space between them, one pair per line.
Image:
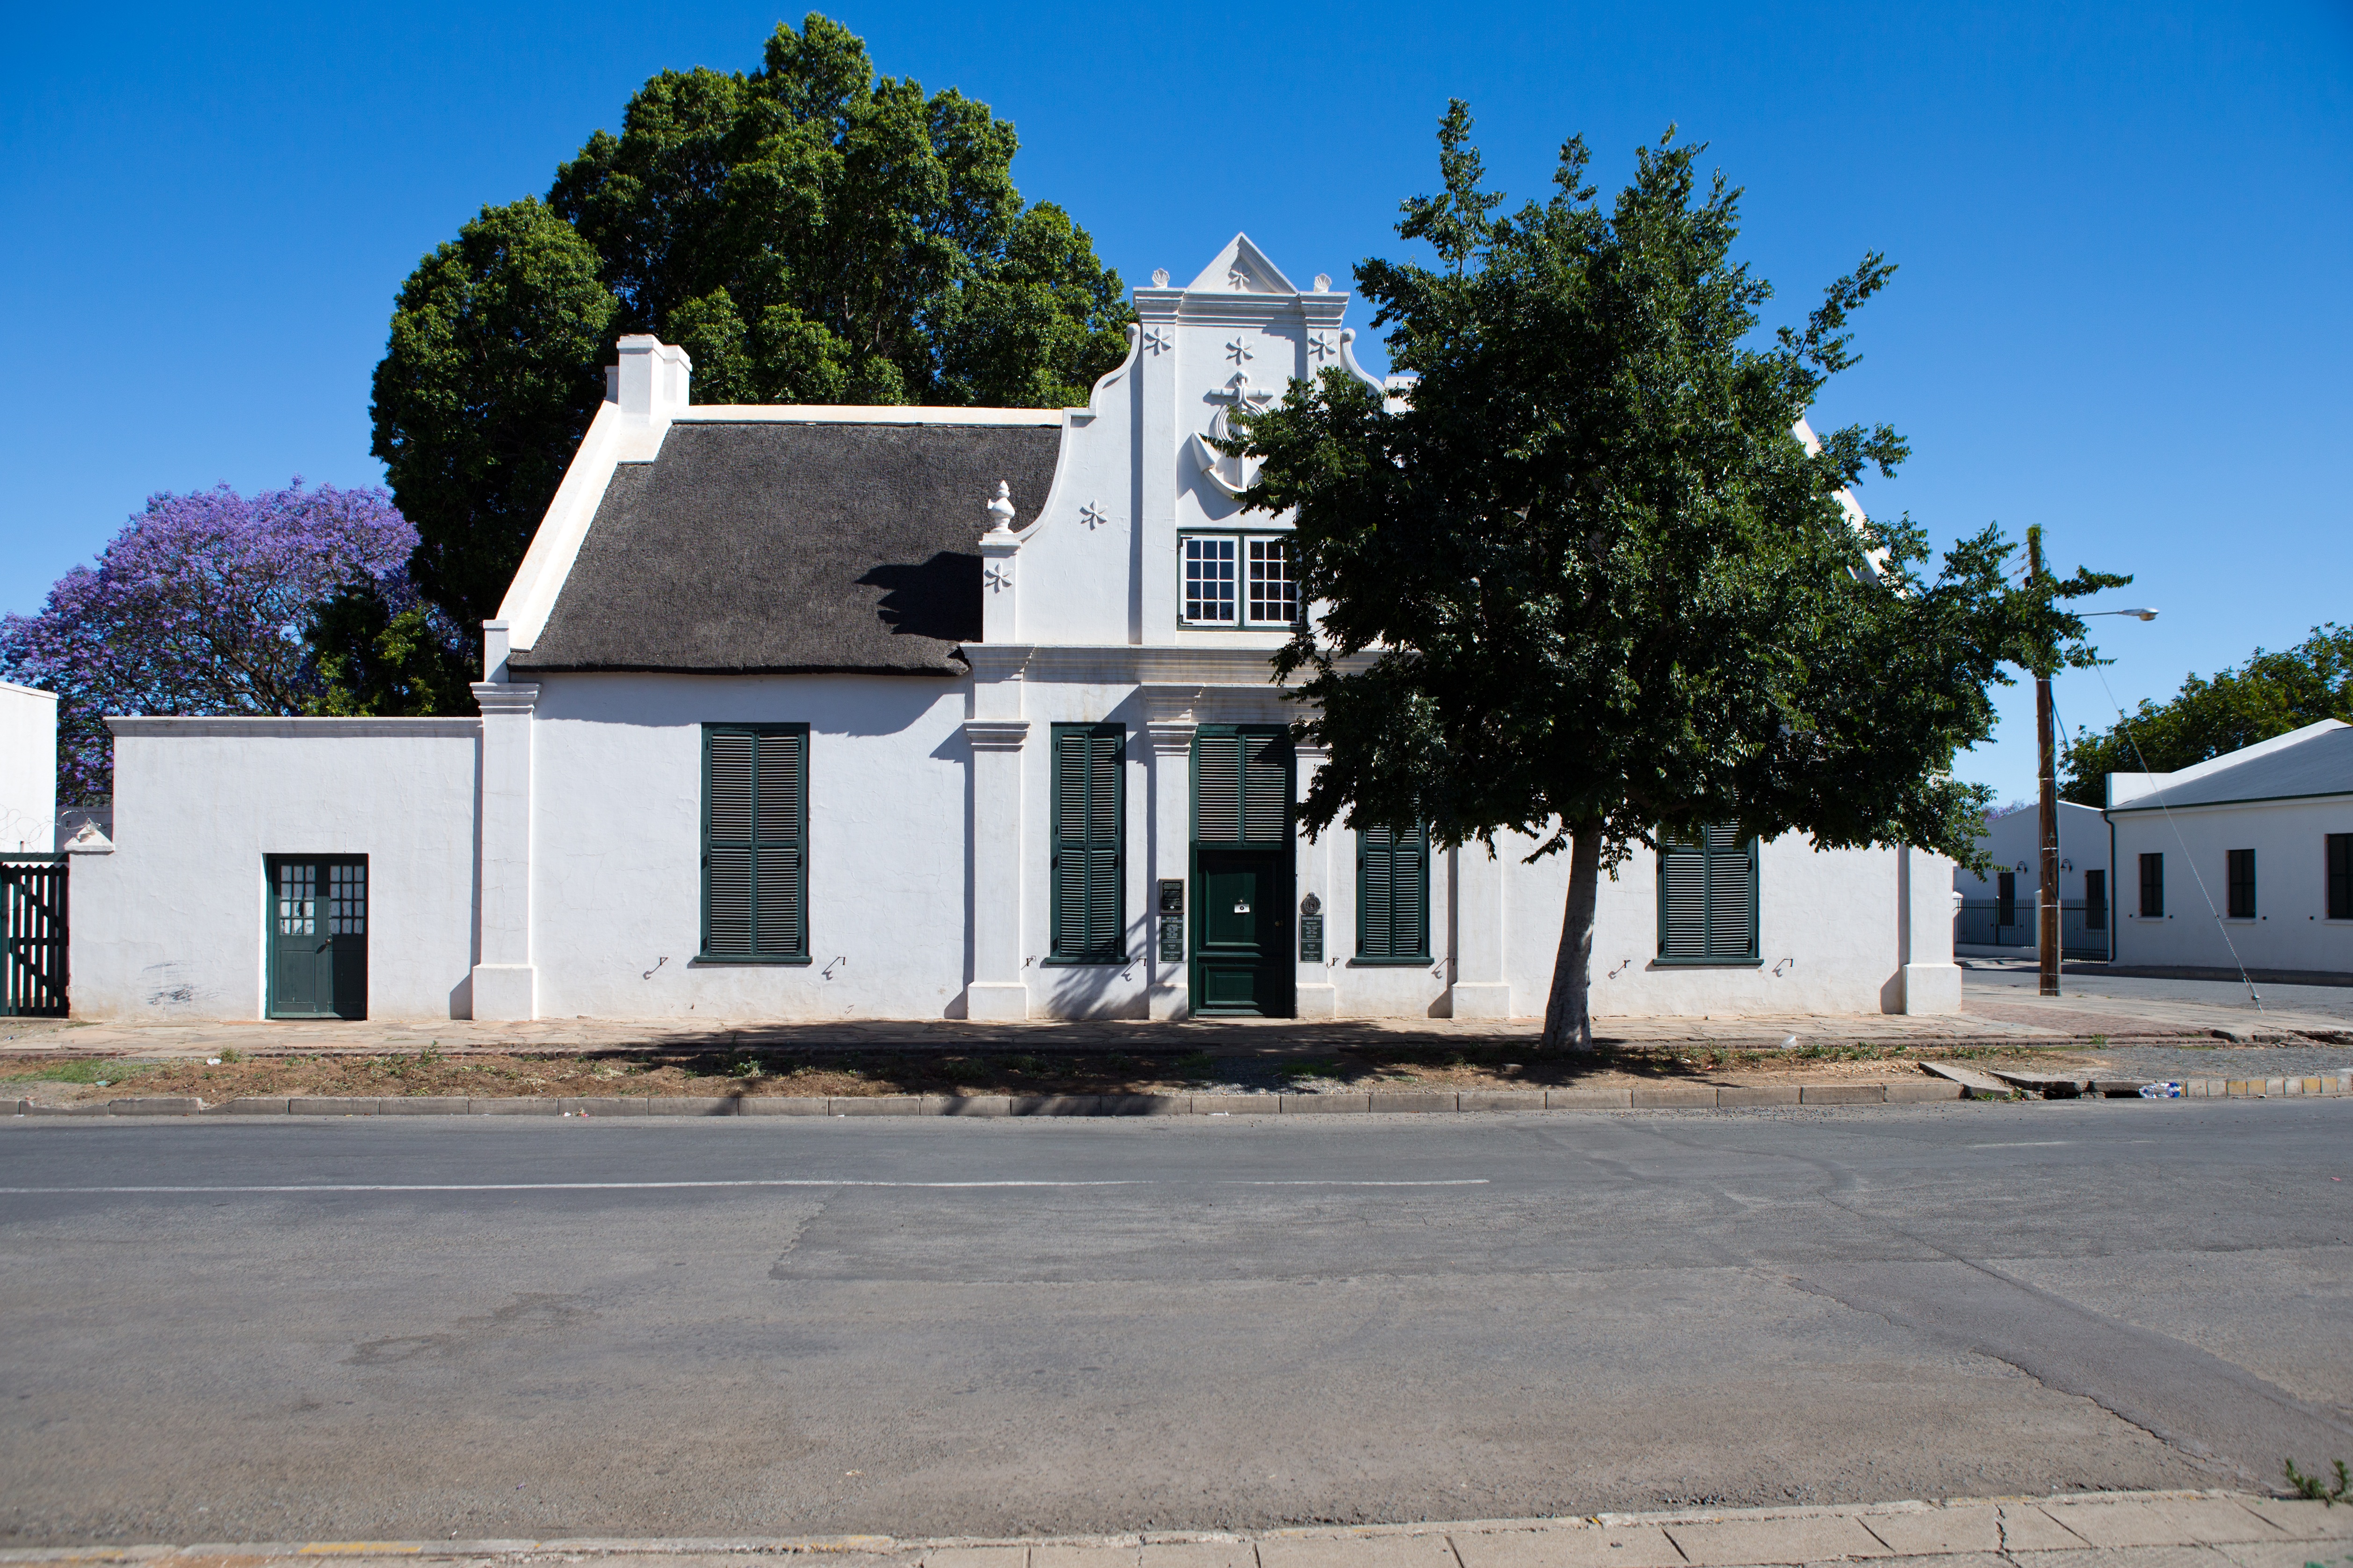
2245,860
903,713
1995,913
29,770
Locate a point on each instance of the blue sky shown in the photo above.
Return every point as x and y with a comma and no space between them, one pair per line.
2123,310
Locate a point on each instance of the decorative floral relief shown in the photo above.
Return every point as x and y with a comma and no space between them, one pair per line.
1322,346
1156,341
1238,350
999,577
1094,516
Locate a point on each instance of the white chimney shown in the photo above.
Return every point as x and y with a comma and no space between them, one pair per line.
650,382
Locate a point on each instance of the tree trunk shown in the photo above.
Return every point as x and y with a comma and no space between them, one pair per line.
1568,1021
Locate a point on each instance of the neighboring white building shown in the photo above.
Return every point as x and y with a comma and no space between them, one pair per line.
29,770
1996,916
2243,860
820,712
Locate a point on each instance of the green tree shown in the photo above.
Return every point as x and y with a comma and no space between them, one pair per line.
1586,585
2269,695
489,380
808,232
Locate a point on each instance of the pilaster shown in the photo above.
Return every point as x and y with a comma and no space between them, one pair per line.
1317,994
998,993
505,983
1480,990
1160,434
1000,621
1924,926
1168,728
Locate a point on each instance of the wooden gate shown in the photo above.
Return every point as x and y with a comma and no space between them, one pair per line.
33,930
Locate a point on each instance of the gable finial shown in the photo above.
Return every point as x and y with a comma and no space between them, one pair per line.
1000,511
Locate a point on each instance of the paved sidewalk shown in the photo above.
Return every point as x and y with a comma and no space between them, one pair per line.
2006,1019
2132,1529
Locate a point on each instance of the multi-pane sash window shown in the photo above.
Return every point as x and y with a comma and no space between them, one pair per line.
1393,894
2095,900
2340,876
1241,786
2152,887
2243,884
302,912
755,843
1238,580
1707,900
1089,821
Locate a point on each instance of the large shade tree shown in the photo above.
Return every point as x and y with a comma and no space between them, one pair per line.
1586,584
2269,695
809,232
208,603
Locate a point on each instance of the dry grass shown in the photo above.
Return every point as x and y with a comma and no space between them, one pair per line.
656,1071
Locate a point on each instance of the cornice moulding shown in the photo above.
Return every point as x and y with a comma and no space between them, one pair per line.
268,727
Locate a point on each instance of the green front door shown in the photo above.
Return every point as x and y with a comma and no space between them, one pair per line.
1241,938
1243,852
318,936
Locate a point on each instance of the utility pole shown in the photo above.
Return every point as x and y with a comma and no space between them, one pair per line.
2047,901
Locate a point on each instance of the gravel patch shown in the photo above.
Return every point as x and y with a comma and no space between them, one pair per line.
2222,1061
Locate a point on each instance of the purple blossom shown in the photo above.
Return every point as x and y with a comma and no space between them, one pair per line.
198,607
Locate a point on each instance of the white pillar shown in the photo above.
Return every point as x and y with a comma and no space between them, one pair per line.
1170,854
998,992
1924,892
1480,990
505,985
1317,993
1160,431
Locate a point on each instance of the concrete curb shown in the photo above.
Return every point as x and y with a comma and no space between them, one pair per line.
1412,1102
1641,1096
1968,1529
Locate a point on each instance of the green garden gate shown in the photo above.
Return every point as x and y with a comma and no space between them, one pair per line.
32,936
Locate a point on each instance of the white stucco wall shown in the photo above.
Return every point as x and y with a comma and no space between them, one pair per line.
2291,929
617,847
1827,931
2016,840
170,924
29,770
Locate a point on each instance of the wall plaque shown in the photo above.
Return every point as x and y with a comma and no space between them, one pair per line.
1172,938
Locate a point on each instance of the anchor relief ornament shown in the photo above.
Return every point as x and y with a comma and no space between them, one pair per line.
1237,396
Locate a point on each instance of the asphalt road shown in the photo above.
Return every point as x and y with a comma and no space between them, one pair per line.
507,1328
1997,977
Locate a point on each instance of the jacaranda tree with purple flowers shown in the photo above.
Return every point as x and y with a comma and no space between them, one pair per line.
205,604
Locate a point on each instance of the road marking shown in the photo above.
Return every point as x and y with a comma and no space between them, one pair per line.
2044,1144
660,1186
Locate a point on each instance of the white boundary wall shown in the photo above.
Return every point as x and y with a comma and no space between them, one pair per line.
170,924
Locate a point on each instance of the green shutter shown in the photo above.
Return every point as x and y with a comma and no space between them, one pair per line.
1090,921
1707,899
1393,894
756,842
1242,786
1266,788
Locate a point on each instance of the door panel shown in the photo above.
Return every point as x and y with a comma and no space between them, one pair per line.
317,938
1242,934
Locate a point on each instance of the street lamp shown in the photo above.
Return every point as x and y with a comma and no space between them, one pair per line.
2046,922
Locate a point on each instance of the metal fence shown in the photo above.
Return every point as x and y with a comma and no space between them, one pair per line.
32,936
1978,923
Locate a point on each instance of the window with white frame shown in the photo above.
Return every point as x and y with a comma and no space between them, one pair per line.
1238,580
